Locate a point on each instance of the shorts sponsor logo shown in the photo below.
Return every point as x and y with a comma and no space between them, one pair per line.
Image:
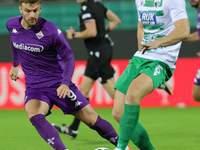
78,103
148,18
29,47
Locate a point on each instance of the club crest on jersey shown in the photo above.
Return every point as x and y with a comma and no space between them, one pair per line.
148,18
157,3
39,35
84,7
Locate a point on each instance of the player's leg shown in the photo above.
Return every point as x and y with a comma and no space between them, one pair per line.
72,130
85,87
139,137
196,86
95,122
109,86
36,111
167,88
141,86
196,92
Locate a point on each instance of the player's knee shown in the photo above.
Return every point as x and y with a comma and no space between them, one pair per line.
32,113
112,95
116,115
196,96
84,91
91,120
132,98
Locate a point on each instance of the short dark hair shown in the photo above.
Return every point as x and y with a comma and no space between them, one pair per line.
29,1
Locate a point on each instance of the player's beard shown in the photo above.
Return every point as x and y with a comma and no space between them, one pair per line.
31,22
195,5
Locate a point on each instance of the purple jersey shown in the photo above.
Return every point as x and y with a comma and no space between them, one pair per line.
44,53
198,23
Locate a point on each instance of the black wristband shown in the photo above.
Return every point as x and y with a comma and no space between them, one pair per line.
73,34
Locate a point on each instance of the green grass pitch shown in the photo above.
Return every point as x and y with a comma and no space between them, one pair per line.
168,128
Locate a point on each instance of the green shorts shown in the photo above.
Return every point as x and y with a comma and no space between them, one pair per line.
157,70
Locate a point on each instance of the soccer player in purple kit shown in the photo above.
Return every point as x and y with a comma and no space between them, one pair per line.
192,38
48,64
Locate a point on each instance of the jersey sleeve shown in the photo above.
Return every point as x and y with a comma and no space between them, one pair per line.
177,9
105,10
15,58
65,53
87,14
137,6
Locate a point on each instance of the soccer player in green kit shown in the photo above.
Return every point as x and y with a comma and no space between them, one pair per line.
162,25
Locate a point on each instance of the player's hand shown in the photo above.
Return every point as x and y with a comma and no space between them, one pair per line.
69,33
63,90
198,54
13,73
148,46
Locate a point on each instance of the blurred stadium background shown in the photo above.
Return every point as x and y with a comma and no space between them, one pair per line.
169,127
64,13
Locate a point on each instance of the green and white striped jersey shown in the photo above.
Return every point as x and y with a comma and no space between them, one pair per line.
157,17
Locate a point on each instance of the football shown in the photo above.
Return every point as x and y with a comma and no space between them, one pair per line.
101,148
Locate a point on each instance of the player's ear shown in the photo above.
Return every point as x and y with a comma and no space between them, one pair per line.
20,9
40,7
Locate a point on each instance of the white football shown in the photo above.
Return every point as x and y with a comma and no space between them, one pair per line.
101,148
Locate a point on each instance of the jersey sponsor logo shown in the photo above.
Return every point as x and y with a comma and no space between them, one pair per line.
29,47
148,18
85,16
14,30
157,70
39,35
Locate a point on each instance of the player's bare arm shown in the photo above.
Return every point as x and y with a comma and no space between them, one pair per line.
13,73
69,33
180,33
89,32
114,21
140,33
193,37
63,91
